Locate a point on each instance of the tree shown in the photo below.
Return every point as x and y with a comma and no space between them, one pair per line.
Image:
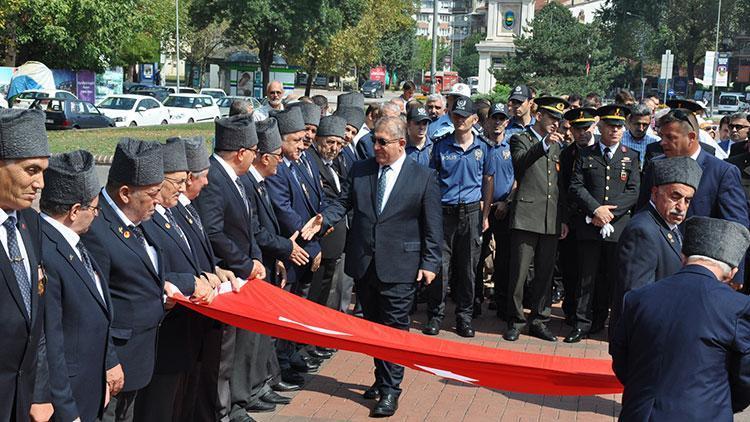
561,55
268,25
423,53
467,63
397,50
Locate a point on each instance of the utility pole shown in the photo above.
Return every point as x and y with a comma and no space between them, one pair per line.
177,40
433,67
716,59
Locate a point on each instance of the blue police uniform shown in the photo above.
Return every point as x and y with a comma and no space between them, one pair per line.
504,176
440,127
421,156
514,126
460,176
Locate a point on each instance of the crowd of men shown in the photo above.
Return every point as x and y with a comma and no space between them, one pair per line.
391,205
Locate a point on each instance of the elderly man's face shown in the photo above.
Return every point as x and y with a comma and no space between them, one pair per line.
174,184
435,109
387,148
196,182
638,125
275,93
672,201
293,146
84,216
610,134
19,182
329,147
140,201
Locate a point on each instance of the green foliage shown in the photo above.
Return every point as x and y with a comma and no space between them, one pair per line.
499,94
397,51
553,58
467,63
423,53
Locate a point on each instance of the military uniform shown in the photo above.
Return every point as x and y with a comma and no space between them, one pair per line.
535,222
603,175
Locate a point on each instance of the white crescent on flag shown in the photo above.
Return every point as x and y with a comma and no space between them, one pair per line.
446,374
314,328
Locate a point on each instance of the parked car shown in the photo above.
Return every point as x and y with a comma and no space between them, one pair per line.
71,114
183,90
134,110
190,108
730,102
373,89
217,93
226,102
130,88
158,93
24,99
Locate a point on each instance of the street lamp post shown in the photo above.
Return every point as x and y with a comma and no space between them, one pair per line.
177,40
433,67
716,59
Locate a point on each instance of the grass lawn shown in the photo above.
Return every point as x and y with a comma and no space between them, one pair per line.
103,141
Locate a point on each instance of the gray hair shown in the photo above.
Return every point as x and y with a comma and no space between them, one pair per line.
395,126
435,97
640,110
392,108
725,268
740,115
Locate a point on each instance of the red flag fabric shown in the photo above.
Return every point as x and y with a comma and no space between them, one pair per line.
263,308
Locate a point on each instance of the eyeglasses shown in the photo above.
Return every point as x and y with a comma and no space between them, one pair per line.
277,155
383,142
738,127
176,182
275,93
93,209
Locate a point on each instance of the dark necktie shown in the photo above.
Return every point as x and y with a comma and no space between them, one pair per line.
174,224
678,236
138,233
242,194
607,154
86,260
263,192
381,188
303,158
17,262
196,217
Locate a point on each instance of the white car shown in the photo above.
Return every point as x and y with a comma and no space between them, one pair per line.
191,108
183,90
217,93
134,110
24,99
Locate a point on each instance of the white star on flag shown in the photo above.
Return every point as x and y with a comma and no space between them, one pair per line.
447,374
314,328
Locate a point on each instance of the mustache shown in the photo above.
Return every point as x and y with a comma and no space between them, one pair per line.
675,213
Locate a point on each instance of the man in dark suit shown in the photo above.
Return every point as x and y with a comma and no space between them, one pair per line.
605,186
78,309
720,193
23,373
355,118
225,215
537,218
176,352
654,229
327,146
132,262
682,347
394,240
308,167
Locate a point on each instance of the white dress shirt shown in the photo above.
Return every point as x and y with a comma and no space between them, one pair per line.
4,239
390,178
150,250
73,239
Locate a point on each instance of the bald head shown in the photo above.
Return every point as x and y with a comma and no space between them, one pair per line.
275,92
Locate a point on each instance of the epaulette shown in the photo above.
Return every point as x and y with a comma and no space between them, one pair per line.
441,137
483,137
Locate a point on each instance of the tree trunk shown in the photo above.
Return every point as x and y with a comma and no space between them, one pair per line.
690,73
10,50
312,69
265,53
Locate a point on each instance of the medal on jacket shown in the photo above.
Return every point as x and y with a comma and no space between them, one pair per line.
625,162
623,174
42,283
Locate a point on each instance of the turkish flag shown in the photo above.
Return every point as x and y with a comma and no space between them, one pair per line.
263,308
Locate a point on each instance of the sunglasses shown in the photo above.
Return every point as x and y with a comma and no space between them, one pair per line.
738,127
383,142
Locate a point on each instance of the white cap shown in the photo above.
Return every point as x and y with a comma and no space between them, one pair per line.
459,89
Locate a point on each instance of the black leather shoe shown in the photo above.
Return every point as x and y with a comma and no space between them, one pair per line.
386,406
287,386
464,329
261,407
306,367
312,360
291,376
542,332
511,334
275,398
432,328
371,393
320,354
575,336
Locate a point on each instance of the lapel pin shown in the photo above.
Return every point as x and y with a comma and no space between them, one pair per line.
190,220
126,235
167,225
119,229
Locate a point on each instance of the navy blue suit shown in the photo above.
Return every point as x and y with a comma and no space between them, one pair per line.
77,322
312,181
345,161
136,288
365,147
23,360
227,222
199,242
682,350
648,251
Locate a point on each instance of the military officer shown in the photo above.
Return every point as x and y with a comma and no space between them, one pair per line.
605,186
582,123
464,166
537,218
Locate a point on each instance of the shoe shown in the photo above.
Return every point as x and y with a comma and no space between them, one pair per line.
305,367
386,406
286,386
291,376
371,393
511,334
464,329
432,328
319,354
243,418
275,398
327,349
542,332
575,336
261,407
312,360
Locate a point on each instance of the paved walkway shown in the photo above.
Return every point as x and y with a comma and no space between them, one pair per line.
334,394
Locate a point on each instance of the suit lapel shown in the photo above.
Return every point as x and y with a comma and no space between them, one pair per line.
171,231
33,262
124,235
374,187
192,225
10,279
265,204
402,180
665,231
598,154
229,181
324,171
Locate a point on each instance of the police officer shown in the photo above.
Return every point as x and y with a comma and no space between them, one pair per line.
418,144
605,186
497,213
463,163
582,129
536,219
